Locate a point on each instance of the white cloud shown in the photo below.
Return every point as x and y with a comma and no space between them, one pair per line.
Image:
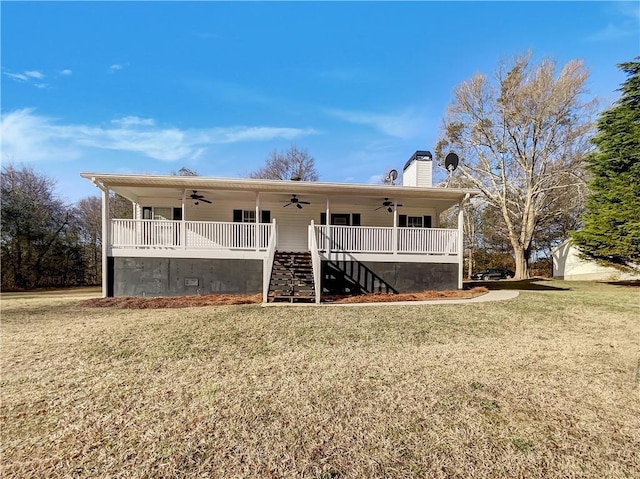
406,124
116,67
129,121
34,74
622,23
17,76
27,136
29,76
66,72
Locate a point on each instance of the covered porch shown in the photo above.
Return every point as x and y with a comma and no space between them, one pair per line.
222,218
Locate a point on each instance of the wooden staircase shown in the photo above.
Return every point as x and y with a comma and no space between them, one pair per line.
292,278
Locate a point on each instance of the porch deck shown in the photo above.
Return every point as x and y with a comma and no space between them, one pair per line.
162,237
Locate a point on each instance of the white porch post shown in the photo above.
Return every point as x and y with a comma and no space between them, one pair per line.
106,240
183,224
460,243
328,227
257,233
395,226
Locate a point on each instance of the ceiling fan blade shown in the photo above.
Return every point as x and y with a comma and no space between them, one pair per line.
299,206
206,201
304,202
284,206
378,208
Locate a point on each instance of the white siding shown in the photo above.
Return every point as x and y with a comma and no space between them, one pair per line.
568,265
418,173
410,175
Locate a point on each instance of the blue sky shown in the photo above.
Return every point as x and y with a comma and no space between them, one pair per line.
150,87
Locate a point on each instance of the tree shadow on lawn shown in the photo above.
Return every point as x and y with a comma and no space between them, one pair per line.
634,283
531,284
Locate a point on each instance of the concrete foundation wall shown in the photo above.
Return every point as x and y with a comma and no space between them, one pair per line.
185,277
416,277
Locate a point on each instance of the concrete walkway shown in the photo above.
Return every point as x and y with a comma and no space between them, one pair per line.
501,295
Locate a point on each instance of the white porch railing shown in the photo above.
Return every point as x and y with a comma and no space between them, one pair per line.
370,239
196,235
428,240
355,239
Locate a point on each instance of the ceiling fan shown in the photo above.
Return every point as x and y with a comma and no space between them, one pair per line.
295,201
197,198
388,205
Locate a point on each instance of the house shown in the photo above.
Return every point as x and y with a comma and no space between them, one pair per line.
289,240
568,265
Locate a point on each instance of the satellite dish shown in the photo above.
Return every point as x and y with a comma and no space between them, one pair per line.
391,177
451,162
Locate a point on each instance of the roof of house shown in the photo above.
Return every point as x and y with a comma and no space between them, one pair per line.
130,185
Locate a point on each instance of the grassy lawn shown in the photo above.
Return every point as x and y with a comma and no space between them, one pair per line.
544,385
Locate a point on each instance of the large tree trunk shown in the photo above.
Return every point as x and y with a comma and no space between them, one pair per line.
522,262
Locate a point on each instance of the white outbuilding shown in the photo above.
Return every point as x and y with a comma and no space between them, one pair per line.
568,265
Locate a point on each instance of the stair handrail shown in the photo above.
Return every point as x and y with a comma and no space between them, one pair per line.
315,261
368,274
267,265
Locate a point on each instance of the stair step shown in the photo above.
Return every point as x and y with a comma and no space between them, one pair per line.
291,277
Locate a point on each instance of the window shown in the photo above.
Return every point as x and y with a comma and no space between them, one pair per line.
414,221
249,216
405,221
161,213
341,219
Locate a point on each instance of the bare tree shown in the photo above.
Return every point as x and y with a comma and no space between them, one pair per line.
522,139
89,213
184,171
120,207
295,163
35,225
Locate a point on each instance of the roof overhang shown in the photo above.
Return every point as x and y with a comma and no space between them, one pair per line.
134,186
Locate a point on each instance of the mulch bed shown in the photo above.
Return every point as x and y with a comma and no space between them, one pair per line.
163,302
423,296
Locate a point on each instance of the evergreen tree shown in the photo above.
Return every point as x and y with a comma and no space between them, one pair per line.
611,223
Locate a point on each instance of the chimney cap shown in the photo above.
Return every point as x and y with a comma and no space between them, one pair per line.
419,155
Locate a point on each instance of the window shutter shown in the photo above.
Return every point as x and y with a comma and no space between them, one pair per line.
427,222
147,213
355,219
323,218
177,214
237,216
402,221
265,216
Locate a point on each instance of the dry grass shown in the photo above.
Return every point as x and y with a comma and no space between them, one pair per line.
540,386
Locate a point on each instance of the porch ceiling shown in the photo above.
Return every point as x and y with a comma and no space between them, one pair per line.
133,187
